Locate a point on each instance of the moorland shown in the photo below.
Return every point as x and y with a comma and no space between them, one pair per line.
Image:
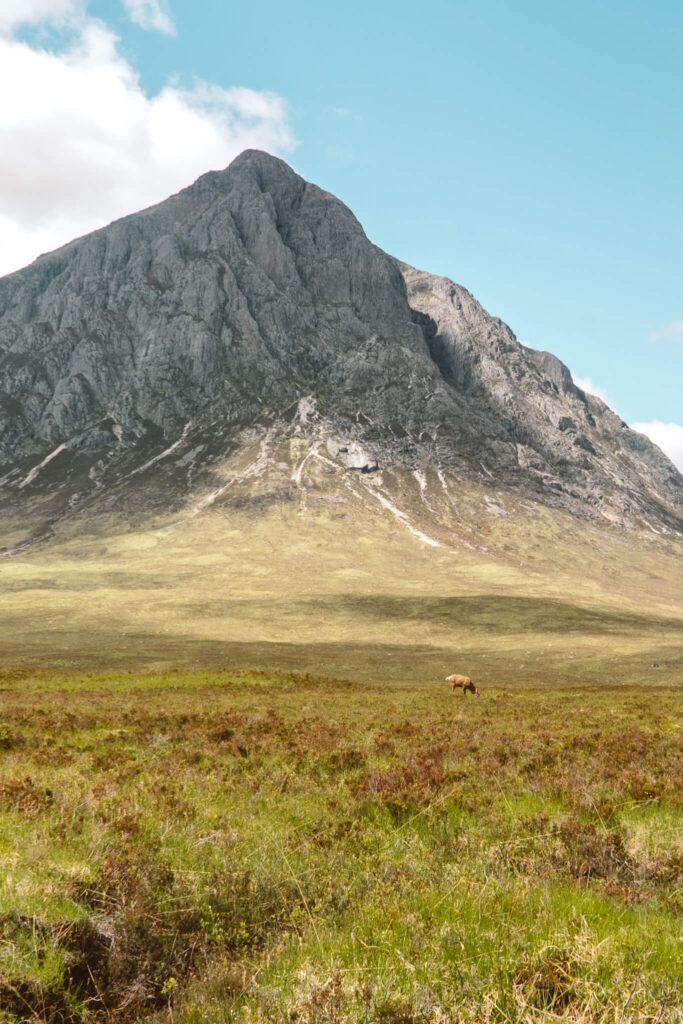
234,784
262,846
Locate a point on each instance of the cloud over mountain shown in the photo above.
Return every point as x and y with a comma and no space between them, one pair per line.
669,437
82,143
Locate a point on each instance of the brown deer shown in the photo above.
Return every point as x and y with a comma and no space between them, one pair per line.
463,683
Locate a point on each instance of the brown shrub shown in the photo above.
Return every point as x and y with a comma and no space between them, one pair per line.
347,759
409,786
591,852
25,795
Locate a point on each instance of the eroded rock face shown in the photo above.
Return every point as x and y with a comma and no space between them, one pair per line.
252,289
520,404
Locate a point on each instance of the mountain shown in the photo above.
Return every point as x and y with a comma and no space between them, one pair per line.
250,313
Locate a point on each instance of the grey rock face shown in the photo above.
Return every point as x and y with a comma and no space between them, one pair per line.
252,288
517,405
245,290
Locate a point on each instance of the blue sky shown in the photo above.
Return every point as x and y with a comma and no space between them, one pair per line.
531,151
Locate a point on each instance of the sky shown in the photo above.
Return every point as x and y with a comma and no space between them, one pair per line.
533,151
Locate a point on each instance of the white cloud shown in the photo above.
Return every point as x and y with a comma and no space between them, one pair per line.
81,143
26,12
672,332
150,14
668,436
586,384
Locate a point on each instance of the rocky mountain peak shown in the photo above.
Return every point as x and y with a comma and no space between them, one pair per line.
221,308
254,171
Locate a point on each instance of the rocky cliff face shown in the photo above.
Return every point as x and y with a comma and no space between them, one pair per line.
521,411
220,310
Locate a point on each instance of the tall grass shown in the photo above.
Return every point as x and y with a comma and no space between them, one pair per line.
270,847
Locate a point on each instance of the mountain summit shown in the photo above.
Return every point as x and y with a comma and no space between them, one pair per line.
252,305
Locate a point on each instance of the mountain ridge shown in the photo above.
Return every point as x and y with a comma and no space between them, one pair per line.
223,308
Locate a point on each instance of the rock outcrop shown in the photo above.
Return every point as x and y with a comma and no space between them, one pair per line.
222,307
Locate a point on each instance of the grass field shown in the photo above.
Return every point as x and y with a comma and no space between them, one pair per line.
267,847
235,787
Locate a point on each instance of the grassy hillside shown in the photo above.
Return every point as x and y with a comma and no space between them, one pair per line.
268,847
286,563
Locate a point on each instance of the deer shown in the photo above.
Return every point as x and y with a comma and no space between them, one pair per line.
463,683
